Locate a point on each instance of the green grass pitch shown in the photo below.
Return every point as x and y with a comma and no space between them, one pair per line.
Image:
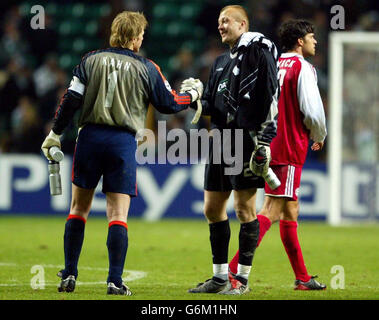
168,257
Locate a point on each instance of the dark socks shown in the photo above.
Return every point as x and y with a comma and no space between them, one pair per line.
219,235
73,241
117,243
248,239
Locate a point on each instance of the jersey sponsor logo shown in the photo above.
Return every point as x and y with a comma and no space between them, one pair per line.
222,86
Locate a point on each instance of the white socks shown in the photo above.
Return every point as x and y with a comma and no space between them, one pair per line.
243,271
221,271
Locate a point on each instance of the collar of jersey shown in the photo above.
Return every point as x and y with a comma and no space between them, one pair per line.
290,55
247,38
244,41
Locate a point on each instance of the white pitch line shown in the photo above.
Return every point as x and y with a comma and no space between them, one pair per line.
132,275
7,264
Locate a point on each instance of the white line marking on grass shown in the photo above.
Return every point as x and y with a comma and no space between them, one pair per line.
131,275
6,264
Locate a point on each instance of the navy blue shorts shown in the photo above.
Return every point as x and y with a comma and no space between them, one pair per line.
109,152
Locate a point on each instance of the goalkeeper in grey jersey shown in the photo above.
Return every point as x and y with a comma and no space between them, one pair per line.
112,88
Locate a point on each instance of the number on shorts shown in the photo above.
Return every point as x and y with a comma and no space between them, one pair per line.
246,171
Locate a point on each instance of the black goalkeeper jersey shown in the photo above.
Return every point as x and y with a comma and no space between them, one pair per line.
213,99
256,78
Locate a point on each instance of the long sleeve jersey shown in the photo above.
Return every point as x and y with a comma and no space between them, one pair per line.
114,87
242,90
301,112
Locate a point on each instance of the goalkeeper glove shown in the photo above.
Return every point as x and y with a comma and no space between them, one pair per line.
260,160
51,140
194,87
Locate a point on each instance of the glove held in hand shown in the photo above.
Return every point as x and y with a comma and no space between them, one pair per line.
260,160
194,87
51,140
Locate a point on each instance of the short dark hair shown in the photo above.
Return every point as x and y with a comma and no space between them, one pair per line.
291,30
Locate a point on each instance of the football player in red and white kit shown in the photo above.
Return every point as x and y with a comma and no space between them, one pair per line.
301,117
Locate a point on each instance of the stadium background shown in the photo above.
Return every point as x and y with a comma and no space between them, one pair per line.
169,255
182,37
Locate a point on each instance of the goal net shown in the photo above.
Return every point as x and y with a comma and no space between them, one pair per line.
353,127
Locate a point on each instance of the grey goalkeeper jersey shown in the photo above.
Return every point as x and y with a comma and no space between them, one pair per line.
117,87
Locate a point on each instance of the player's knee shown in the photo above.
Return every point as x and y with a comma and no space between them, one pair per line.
213,213
244,212
291,212
291,215
80,209
272,216
116,214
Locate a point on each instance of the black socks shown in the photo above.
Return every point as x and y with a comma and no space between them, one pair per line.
248,239
219,235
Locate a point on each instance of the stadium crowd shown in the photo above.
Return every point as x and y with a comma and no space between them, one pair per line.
32,81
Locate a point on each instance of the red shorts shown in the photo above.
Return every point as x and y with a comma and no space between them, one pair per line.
289,177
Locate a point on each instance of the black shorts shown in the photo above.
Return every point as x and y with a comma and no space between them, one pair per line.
216,178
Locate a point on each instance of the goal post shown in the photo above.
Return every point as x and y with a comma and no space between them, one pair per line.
352,117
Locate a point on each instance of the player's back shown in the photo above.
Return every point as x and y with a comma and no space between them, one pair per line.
291,143
117,88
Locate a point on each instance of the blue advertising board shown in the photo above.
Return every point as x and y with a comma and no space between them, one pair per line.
164,190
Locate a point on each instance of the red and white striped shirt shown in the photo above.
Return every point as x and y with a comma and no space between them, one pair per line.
301,112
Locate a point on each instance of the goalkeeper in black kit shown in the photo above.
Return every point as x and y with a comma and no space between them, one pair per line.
241,93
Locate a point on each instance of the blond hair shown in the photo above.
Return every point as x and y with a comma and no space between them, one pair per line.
241,13
127,26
